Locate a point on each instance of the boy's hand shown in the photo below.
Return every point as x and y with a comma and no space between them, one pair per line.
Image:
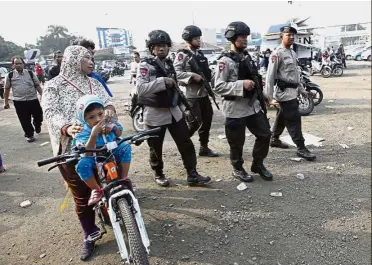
98,128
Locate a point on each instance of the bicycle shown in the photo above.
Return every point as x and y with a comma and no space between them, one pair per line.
118,202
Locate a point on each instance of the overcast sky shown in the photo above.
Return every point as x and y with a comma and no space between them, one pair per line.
24,22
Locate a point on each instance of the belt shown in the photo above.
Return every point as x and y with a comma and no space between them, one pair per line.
283,85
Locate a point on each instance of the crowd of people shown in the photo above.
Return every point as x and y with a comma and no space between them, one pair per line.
78,109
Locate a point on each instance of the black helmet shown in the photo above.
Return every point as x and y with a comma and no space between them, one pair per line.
234,29
191,32
158,37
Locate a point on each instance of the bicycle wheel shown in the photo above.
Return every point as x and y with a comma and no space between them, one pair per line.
137,250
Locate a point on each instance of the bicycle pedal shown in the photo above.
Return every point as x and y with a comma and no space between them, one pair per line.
95,236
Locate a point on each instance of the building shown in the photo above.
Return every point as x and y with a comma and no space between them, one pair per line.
348,34
220,38
114,37
217,37
209,35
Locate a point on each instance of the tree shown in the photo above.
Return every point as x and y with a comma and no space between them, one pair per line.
56,38
9,49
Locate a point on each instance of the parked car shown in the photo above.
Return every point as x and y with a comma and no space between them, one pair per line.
3,73
366,55
351,50
358,55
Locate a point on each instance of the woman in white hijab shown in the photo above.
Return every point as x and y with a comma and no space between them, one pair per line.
59,105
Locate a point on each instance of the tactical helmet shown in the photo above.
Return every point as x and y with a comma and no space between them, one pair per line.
158,37
234,29
191,32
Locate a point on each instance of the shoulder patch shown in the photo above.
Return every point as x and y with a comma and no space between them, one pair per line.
180,57
273,58
144,71
222,66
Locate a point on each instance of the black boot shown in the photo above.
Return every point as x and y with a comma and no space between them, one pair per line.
305,153
88,250
161,180
259,168
194,179
205,151
242,175
275,142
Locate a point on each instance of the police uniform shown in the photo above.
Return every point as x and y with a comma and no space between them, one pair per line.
196,93
162,109
239,110
283,84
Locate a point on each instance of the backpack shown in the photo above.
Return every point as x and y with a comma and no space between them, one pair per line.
10,76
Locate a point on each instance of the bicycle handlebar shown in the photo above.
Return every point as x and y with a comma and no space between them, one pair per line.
132,138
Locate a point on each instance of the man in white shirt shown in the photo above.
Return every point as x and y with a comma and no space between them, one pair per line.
134,66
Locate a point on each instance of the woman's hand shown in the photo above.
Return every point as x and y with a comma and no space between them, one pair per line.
73,129
110,115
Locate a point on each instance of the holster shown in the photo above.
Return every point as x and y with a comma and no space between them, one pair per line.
284,85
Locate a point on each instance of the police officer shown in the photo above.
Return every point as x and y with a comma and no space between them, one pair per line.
234,83
195,87
162,109
283,83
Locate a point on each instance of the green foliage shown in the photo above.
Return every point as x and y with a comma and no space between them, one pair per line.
9,49
56,38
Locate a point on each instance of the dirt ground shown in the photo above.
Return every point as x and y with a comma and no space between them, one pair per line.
323,219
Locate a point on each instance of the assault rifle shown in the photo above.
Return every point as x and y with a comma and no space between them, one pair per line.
176,87
195,68
257,79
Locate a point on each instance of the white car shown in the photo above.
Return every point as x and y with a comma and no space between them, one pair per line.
366,55
352,52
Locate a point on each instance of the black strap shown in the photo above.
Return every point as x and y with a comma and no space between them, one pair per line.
10,76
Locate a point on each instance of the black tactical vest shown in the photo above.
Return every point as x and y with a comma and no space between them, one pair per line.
243,69
201,61
163,99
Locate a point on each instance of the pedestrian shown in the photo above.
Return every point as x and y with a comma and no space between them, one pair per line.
266,58
162,109
283,83
133,78
194,85
54,71
134,66
173,56
24,85
235,72
59,104
341,53
39,73
2,168
88,44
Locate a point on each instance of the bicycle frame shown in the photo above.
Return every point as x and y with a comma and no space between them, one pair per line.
124,191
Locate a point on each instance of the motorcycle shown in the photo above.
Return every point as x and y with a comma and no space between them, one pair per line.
118,71
322,68
105,74
305,104
119,204
311,87
136,113
336,66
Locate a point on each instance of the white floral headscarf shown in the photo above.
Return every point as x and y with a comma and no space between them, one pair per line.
60,96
